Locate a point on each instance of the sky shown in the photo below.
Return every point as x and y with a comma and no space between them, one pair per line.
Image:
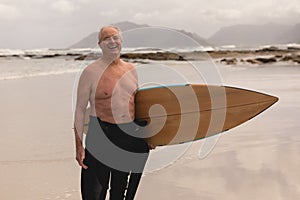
31,24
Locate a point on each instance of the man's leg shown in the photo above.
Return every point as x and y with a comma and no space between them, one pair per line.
133,185
140,146
118,184
94,179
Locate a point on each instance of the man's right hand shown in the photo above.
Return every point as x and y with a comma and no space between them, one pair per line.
80,155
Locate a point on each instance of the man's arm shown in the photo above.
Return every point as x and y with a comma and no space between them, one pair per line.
83,95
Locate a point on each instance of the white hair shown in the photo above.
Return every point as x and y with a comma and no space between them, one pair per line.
110,26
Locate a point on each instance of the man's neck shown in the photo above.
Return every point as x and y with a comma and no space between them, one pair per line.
117,61
111,61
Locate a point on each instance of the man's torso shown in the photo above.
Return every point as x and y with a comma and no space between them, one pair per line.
112,92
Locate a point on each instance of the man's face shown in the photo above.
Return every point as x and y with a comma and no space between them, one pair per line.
110,41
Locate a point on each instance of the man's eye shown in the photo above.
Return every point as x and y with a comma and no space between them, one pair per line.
114,38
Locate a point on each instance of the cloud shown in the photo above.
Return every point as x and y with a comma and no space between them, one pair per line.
80,17
139,16
84,1
64,6
220,15
110,13
8,12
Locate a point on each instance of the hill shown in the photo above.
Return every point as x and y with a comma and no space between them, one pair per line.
145,36
250,35
292,35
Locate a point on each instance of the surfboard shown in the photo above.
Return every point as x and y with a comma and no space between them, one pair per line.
183,113
179,114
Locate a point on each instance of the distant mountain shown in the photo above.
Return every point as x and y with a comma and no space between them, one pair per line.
253,35
145,36
292,35
91,40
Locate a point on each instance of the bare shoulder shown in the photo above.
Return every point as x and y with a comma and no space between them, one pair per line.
92,69
128,65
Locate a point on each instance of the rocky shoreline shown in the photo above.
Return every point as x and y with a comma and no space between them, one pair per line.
228,57
258,57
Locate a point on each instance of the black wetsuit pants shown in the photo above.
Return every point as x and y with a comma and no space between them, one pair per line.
95,180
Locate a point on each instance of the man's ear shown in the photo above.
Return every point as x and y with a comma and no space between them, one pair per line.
99,44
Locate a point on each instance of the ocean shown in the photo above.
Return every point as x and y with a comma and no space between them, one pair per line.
18,63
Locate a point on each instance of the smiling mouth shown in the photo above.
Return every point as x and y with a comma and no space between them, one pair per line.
113,47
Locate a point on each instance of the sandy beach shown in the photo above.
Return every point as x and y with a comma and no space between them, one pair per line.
257,160
37,141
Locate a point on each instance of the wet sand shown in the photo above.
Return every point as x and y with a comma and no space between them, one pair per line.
257,160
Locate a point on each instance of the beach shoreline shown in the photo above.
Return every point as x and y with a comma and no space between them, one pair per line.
259,56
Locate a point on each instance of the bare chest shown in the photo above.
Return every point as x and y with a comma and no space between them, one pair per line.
115,82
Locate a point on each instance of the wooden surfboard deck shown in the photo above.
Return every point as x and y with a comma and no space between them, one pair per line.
192,112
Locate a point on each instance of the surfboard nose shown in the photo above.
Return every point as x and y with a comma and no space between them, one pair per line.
271,99
244,98
243,105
